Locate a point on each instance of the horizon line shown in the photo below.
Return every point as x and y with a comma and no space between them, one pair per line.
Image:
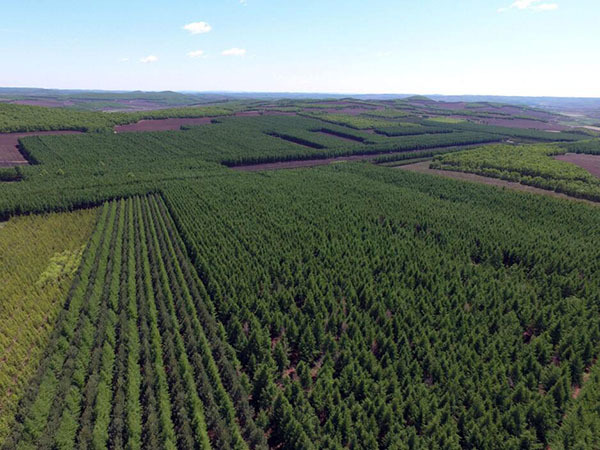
258,92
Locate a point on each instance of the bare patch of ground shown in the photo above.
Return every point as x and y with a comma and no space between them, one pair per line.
9,146
423,167
591,163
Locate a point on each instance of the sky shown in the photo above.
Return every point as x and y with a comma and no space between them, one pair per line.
452,47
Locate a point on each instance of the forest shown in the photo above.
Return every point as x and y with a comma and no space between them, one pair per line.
362,310
71,169
160,297
366,309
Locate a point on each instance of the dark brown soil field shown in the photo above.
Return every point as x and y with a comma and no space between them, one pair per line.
161,124
9,146
591,163
423,167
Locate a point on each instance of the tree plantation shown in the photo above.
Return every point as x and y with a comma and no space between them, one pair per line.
155,295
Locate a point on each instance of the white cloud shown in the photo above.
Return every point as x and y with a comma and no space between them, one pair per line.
244,2
547,7
124,60
197,27
149,59
533,5
234,52
196,54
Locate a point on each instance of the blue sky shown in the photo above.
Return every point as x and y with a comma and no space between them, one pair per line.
503,47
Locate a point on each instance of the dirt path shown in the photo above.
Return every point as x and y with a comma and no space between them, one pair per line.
9,146
423,167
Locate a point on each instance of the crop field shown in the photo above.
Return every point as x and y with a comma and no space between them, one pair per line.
168,287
